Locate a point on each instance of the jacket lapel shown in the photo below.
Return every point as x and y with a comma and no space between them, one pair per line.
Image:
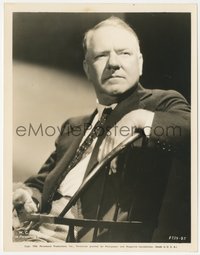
59,172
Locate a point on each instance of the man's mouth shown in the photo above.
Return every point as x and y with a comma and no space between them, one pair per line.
112,77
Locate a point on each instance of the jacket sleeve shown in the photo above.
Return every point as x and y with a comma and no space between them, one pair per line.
36,182
170,129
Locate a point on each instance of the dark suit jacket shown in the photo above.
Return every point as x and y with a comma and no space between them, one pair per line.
140,185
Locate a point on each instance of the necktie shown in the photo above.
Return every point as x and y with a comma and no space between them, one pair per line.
96,131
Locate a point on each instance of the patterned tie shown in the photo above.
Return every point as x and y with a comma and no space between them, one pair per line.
96,131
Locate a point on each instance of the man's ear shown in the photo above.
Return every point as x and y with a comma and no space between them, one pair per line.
86,69
140,63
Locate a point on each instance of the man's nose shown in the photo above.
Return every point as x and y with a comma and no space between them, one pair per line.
113,61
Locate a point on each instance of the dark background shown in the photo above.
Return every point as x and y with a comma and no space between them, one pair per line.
55,40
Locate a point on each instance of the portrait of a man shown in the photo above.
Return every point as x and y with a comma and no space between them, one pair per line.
131,75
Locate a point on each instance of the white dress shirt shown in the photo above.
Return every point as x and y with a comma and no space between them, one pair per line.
74,178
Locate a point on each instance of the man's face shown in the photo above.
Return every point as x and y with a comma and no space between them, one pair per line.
113,63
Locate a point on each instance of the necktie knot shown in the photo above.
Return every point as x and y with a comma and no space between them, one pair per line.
104,116
106,111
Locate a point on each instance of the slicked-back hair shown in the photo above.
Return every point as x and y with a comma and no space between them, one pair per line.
112,21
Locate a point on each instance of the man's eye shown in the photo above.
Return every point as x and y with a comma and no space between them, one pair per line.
100,56
126,53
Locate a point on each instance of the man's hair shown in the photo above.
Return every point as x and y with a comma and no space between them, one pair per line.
112,21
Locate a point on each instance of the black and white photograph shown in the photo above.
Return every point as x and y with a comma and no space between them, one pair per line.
102,134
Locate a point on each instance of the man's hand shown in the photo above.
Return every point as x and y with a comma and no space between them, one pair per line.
22,198
137,119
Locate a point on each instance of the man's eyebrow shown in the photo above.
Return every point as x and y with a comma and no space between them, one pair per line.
123,49
107,51
101,52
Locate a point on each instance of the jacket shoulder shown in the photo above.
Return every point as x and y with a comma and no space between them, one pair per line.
166,93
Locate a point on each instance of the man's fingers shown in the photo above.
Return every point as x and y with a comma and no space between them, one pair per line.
23,197
22,201
30,206
16,222
20,196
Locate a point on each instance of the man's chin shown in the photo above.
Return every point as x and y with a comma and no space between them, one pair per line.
120,93
114,92
113,89
117,90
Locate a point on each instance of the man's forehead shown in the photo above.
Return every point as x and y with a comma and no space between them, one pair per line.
112,35
112,31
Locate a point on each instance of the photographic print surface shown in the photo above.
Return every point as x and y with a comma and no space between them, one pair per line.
139,195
